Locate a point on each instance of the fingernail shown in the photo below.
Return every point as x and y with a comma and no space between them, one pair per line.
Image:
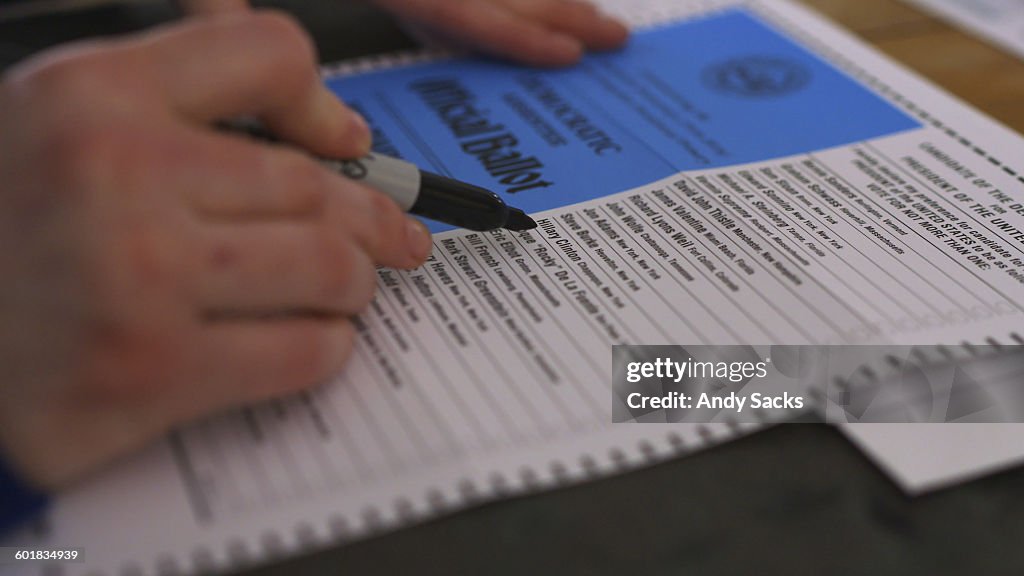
418,239
566,49
617,26
360,133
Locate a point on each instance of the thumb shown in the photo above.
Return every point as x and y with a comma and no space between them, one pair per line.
208,7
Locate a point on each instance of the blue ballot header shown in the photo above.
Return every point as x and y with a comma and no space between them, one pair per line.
716,91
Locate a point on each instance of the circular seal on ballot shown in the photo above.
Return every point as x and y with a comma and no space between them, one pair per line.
757,76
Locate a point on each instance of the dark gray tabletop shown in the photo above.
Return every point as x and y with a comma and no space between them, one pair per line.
794,499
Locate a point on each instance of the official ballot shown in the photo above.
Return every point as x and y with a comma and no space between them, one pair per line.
743,172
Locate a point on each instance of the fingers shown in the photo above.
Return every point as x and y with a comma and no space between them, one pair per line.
499,31
252,269
255,64
579,20
248,361
207,7
492,29
375,222
272,267
535,32
328,265
246,179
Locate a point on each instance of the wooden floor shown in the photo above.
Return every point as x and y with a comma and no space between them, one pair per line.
976,71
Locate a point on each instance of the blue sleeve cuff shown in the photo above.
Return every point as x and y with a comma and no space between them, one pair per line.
18,501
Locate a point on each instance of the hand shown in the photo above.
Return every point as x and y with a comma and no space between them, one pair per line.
154,269
535,32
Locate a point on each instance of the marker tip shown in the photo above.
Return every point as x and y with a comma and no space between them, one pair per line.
519,220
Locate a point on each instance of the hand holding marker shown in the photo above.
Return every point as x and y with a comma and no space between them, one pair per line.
420,192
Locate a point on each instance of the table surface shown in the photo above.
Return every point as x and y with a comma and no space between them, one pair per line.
976,71
795,499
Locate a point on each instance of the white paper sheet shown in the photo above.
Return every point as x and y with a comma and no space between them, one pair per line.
925,457
485,372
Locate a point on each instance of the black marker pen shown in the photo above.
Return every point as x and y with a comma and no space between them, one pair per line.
416,191
433,196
